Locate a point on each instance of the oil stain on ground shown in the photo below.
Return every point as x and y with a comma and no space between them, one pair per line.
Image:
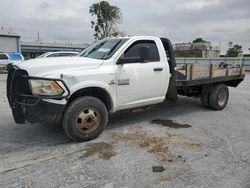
157,145
170,123
158,169
102,149
151,144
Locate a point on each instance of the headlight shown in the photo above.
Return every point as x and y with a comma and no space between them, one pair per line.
45,88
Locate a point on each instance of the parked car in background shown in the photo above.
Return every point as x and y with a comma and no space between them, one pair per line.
58,54
7,58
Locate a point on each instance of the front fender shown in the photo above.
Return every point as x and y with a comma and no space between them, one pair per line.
110,89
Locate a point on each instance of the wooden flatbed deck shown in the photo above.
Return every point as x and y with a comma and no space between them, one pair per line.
203,74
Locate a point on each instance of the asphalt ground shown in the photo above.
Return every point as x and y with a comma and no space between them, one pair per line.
173,144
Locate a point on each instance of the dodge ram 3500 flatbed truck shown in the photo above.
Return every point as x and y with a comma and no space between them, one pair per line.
109,76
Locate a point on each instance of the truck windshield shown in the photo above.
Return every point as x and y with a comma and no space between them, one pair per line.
103,49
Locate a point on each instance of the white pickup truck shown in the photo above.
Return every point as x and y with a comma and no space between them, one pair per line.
109,76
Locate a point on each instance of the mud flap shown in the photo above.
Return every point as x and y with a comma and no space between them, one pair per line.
172,89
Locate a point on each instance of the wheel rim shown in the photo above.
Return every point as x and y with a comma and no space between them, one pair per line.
222,97
88,120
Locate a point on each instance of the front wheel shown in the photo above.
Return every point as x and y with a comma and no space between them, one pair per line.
85,119
218,98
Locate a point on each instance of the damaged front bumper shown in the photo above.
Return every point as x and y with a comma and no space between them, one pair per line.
30,108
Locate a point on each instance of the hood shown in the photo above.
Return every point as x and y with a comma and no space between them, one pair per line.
45,66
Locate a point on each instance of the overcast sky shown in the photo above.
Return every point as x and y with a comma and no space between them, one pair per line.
218,21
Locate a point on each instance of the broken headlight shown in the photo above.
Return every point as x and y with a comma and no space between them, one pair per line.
45,88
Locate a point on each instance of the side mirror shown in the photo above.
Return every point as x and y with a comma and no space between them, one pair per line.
144,53
125,60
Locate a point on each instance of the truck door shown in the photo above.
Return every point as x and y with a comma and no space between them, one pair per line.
141,83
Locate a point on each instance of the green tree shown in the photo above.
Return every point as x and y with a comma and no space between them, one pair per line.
234,51
198,40
107,17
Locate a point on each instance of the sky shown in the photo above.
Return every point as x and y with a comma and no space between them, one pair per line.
218,21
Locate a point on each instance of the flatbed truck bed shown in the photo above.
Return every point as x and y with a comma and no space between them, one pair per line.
203,81
200,74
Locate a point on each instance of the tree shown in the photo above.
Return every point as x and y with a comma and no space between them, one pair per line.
234,51
107,16
199,40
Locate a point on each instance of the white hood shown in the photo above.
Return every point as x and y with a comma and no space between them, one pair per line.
45,66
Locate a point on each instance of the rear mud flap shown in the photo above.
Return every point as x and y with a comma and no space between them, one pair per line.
172,90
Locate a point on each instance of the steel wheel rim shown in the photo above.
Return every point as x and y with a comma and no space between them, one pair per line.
88,120
222,97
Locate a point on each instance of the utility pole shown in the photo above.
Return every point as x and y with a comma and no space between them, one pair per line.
38,37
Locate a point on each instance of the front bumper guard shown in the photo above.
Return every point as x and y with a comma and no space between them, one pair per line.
28,107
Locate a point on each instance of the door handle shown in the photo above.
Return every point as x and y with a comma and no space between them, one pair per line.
158,69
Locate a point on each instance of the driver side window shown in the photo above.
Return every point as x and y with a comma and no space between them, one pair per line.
134,50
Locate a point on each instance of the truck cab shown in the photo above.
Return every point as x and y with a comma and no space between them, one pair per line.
79,92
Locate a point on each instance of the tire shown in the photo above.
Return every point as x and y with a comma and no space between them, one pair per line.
218,98
85,119
205,100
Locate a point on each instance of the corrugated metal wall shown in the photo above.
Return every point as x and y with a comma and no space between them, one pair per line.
9,44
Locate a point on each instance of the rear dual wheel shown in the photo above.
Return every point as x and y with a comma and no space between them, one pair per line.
217,99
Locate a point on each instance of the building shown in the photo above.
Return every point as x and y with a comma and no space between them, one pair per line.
196,49
34,49
9,41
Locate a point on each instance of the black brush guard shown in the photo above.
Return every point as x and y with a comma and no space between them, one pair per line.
21,99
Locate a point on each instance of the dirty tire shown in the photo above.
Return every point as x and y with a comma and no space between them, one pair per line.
218,98
79,110
205,100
